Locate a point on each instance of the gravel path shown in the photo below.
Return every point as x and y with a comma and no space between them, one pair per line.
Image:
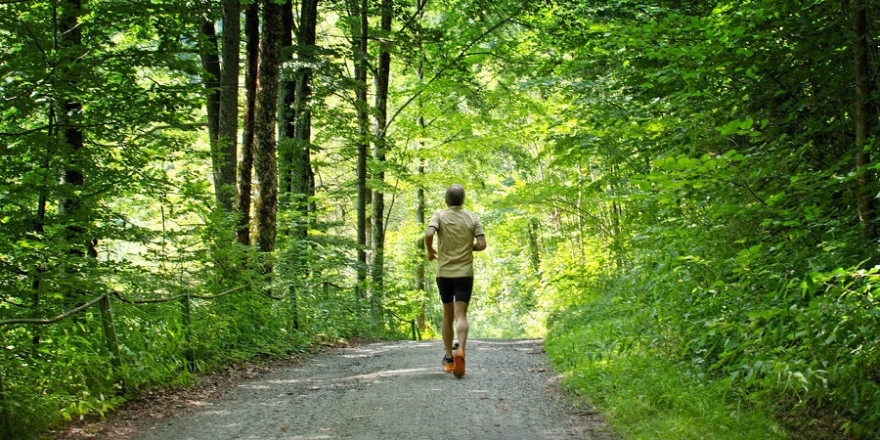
397,391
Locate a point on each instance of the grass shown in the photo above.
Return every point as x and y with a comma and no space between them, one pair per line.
611,362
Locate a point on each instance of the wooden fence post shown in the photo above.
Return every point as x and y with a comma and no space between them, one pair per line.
110,331
294,306
186,317
413,323
112,339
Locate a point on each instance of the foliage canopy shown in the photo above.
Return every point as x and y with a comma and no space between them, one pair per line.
698,176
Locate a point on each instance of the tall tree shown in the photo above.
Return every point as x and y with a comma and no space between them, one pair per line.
303,177
421,279
246,164
864,119
360,14
69,37
286,110
224,157
265,162
73,153
299,176
381,79
209,53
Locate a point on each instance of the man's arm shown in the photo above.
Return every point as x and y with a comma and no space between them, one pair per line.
429,243
481,243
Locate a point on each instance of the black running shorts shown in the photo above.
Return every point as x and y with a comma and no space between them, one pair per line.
458,289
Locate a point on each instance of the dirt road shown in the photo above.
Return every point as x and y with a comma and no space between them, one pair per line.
393,391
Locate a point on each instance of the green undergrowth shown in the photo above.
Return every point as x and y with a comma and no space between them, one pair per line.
611,359
237,361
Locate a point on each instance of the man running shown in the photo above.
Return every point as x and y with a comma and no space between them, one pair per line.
459,234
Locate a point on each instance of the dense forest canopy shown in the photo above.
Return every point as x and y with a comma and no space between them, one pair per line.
229,179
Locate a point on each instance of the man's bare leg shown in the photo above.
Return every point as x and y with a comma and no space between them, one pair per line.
446,328
461,323
461,327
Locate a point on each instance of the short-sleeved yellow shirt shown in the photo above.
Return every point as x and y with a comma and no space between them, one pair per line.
456,229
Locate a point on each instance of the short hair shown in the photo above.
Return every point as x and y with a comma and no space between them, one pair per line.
455,195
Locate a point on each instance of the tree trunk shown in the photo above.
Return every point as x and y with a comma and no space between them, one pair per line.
359,54
211,79
863,121
421,277
71,150
302,175
286,115
227,119
299,167
42,202
265,163
69,37
381,103
534,249
245,166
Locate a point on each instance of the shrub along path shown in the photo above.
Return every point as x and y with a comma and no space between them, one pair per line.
389,390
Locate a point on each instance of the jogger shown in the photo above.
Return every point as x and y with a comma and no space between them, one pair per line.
459,234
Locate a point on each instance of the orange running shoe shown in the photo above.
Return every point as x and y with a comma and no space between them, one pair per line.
448,364
458,363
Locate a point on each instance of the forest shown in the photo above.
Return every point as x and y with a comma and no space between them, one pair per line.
679,195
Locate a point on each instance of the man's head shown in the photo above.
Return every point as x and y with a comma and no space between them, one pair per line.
455,195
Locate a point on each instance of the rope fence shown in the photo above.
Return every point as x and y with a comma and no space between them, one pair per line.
103,300
176,297
112,342
121,298
66,314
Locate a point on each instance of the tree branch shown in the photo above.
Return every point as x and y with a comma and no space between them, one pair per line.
13,267
443,70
